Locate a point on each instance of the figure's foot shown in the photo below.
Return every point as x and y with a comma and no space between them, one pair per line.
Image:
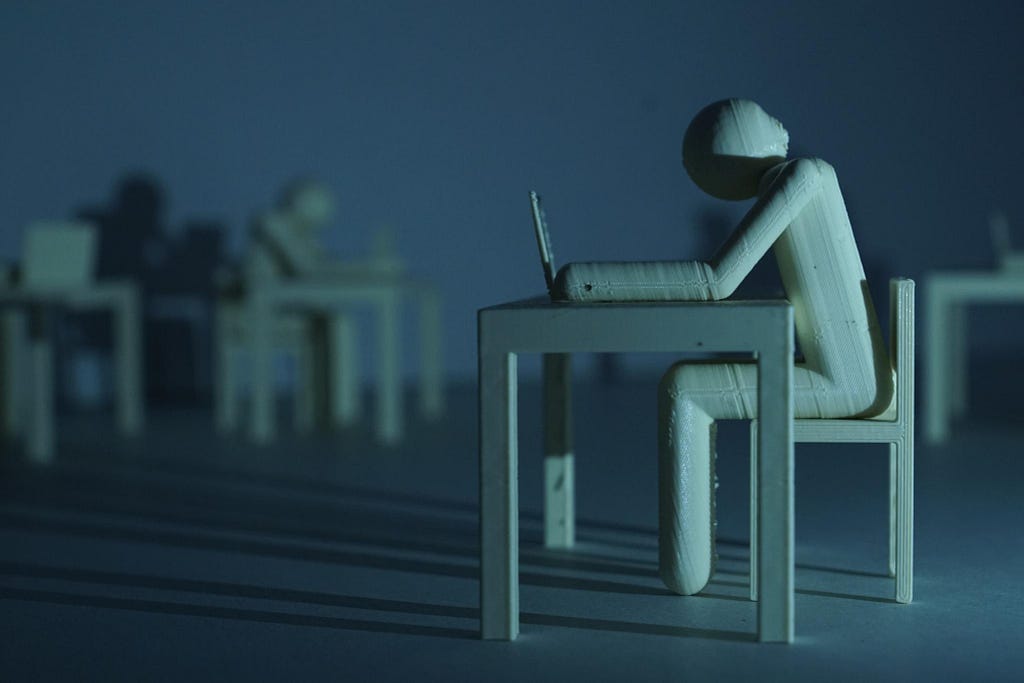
685,577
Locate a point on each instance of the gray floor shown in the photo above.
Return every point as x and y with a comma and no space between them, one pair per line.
187,556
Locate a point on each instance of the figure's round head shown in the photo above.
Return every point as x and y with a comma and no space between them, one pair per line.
729,145
309,202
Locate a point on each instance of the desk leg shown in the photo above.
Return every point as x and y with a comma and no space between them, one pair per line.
559,474
311,382
262,426
13,339
775,495
499,496
225,388
40,437
938,361
128,331
959,359
389,389
344,368
431,389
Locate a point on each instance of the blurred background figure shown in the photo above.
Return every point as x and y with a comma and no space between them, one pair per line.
287,257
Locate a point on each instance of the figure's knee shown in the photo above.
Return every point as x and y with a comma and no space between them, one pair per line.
677,406
675,379
678,391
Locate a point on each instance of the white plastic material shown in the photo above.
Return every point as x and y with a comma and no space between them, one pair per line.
947,296
734,150
1009,260
58,255
58,261
762,328
294,297
894,427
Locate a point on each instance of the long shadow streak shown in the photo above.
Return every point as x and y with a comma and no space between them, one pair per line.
234,613
631,627
844,596
234,590
384,536
231,590
326,555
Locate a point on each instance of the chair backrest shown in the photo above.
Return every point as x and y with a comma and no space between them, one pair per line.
901,345
58,255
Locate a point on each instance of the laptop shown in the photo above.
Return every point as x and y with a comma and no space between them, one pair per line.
540,227
58,255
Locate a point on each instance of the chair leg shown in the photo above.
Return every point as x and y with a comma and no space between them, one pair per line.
431,381
12,339
753,510
225,385
305,403
905,519
343,365
40,437
893,486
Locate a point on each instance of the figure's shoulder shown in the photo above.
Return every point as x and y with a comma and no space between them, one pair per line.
802,170
810,165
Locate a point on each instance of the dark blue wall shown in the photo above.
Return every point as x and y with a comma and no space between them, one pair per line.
436,118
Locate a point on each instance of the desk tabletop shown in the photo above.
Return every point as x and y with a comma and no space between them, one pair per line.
102,293
539,325
544,302
977,284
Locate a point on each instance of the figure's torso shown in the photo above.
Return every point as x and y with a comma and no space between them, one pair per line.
823,276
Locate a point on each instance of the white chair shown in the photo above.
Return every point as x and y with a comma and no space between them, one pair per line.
58,260
324,355
894,427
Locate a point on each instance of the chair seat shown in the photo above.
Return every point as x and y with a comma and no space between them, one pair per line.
847,430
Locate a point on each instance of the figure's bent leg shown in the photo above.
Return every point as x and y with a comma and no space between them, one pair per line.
691,397
686,497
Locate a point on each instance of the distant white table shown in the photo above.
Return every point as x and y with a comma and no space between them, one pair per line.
763,328
121,299
947,295
385,295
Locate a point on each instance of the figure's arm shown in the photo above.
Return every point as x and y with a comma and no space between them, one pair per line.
788,188
293,255
788,191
